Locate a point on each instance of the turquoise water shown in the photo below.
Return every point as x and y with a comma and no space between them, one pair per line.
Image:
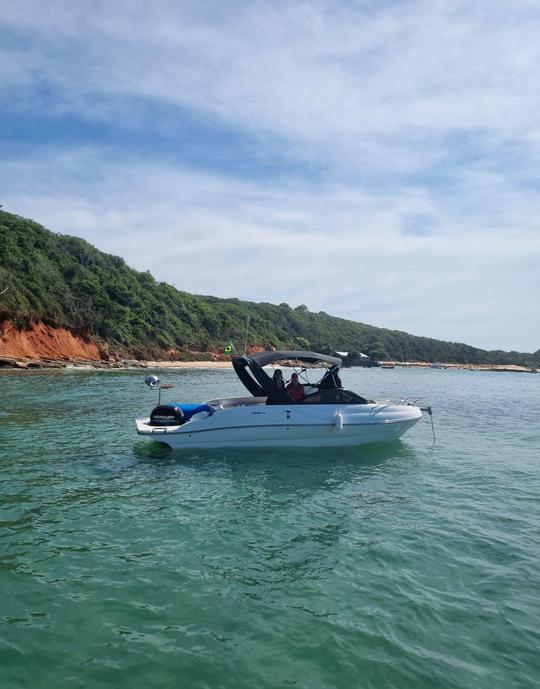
123,563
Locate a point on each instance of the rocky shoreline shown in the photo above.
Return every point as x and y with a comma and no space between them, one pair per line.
7,362
512,368
11,363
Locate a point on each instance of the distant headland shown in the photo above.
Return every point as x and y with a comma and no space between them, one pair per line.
64,302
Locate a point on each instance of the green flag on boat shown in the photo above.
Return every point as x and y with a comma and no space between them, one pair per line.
229,347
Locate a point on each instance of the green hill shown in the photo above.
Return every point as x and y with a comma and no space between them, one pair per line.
65,281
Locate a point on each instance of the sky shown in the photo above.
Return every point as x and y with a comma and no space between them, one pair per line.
378,161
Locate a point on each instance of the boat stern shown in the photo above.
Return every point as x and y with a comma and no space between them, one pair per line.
144,427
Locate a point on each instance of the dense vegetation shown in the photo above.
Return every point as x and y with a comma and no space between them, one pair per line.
65,281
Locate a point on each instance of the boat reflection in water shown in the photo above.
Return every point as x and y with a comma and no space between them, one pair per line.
326,415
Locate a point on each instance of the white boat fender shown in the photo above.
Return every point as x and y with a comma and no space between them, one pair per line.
339,422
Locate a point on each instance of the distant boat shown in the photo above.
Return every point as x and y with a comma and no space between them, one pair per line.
326,416
350,359
387,364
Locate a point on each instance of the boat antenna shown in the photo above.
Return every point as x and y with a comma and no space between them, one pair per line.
247,331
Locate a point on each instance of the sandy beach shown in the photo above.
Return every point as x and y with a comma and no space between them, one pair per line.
187,364
403,364
25,363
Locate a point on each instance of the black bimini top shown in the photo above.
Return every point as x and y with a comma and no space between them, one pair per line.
249,368
265,358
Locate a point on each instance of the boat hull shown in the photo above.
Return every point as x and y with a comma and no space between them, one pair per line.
293,426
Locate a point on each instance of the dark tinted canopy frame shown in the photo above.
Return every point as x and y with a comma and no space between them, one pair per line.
249,368
311,358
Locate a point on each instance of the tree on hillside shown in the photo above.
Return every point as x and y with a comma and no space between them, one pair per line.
65,281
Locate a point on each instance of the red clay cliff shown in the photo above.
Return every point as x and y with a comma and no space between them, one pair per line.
42,341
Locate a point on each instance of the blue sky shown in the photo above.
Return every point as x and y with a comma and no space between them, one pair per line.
377,161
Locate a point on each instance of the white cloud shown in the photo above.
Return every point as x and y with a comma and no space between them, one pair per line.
333,248
422,118
318,73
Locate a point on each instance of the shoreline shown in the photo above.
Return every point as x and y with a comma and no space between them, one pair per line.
13,363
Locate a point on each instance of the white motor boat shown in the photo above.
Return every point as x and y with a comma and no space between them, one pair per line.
326,416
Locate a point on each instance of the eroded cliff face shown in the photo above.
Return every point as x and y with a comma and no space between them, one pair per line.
45,342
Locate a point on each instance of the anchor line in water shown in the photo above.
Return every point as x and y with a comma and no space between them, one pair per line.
429,410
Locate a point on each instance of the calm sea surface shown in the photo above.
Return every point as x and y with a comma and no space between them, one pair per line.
406,565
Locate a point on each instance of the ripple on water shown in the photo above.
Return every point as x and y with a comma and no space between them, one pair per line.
403,565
